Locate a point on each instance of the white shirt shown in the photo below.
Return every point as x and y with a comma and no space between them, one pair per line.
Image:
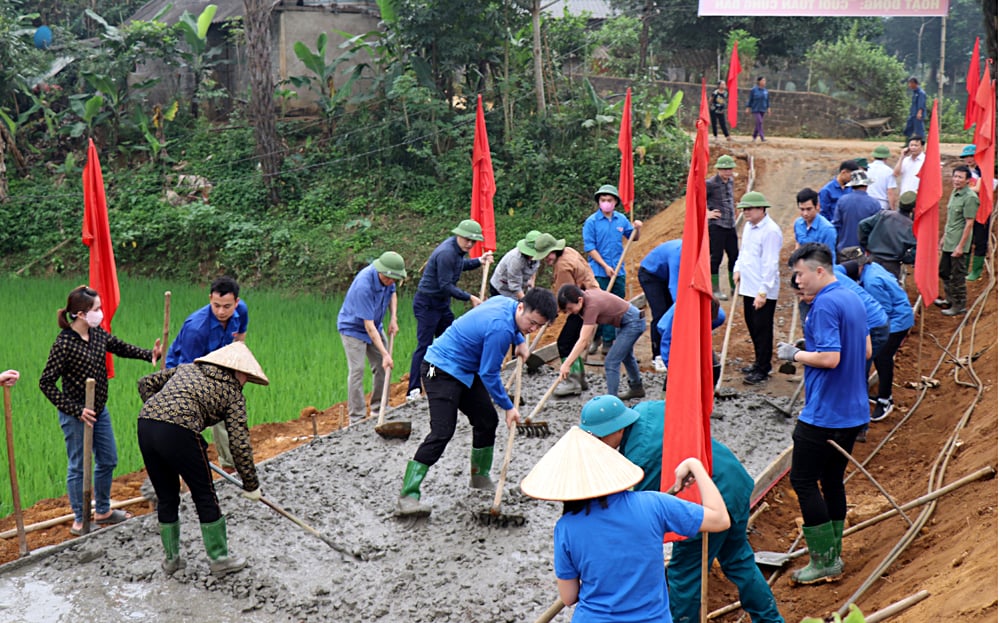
759,259
908,170
882,179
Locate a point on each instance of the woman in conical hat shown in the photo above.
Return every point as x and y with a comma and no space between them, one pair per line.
609,540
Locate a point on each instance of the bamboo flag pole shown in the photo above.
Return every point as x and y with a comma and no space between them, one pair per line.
15,491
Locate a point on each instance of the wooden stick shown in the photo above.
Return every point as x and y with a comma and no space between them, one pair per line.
541,403
552,611
15,492
534,344
385,386
55,521
486,276
861,468
495,509
725,340
611,282
920,342
88,450
166,329
897,607
704,577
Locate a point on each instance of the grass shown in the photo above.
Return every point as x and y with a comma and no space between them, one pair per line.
294,338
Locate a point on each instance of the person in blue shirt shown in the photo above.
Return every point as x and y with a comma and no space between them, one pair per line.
836,408
372,293
759,104
437,286
918,109
461,372
658,274
853,208
604,233
215,325
666,329
836,188
638,434
884,288
811,226
876,318
608,543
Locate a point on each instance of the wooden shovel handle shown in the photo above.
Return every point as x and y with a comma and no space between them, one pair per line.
166,329
541,403
628,243
385,386
725,340
88,447
511,433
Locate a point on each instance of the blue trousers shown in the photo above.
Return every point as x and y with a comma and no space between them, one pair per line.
606,331
105,460
632,326
735,556
433,317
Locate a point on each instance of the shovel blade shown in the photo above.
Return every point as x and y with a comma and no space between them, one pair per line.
533,363
771,559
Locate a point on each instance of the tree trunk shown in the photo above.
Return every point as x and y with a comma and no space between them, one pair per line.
536,49
3,169
644,38
261,111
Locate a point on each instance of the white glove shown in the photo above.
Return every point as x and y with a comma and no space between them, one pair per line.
787,351
253,496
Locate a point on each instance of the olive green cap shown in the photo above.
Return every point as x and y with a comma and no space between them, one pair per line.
526,245
608,189
725,161
546,244
907,199
391,265
753,199
881,152
469,229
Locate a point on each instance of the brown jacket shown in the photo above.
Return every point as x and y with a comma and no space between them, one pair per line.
573,268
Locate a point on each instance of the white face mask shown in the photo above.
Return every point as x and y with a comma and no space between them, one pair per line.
94,318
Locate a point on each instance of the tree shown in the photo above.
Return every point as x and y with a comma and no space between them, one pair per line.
261,109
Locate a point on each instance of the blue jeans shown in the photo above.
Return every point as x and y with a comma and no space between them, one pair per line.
105,460
607,331
631,327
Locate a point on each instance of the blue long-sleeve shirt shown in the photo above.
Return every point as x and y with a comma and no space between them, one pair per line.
666,327
760,100
918,101
367,299
476,344
605,235
664,261
821,231
202,333
885,289
852,209
875,316
444,267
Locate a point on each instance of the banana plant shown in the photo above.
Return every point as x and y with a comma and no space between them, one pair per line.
199,57
88,109
321,82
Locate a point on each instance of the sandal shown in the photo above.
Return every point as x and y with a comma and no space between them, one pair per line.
76,531
116,516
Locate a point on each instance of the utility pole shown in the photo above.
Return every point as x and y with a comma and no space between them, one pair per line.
944,38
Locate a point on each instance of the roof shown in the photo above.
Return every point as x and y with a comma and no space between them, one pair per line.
600,9
227,9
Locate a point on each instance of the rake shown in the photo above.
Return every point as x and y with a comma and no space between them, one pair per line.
528,427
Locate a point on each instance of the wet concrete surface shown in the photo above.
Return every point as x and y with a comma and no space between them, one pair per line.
448,567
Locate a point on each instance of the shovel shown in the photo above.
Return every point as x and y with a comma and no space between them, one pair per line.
787,411
392,430
773,559
725,342
787,367
493,517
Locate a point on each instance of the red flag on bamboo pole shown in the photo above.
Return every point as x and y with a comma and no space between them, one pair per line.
97,236
690,390
986,143
925,215
483,185
732,85
626,175
972,86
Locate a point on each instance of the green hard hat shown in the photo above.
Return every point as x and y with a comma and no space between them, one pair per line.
469,229
526,245
391,265
753,199
725,161
546,244
607,414
968,150
608,189
907,200
881,153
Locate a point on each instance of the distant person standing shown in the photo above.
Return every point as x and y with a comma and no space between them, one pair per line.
911,160
918,109
759,105
980,231
717,110
215,325
883,182
956,242
721,213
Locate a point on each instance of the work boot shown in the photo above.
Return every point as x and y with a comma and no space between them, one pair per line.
954,310
482,461
838,533
217,548
409,497
170,536
634,391
716,292
570,386
977,268
825,564
581,373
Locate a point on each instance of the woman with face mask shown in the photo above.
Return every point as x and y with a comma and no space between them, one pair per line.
79,353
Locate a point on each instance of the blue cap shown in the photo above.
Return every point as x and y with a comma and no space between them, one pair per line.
968,150
607,414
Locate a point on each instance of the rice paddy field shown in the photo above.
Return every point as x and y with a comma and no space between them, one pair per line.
294,337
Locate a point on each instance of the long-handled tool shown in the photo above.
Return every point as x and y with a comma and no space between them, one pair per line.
628,243
534,361
531,428
166,328
725,341
88,449
787,367
493,517
15,492
787,411
281,511
390,430
486,276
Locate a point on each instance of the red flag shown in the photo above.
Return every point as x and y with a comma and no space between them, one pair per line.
97,236
732,85
925,216
690,390
483,186
986,143
626,175
972,86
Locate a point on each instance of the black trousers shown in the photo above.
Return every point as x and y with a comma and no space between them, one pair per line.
722,240
885,363
171,451
569,335
816,464
760,325
658,298
981,237
446,396
719,118
952,271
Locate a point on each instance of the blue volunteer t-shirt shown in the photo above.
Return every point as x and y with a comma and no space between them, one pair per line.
367,299
875,316
836,397
664,262
822,231
202,333
884,288
666,328
605,235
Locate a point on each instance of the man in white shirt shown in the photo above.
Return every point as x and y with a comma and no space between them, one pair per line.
883,182
756,275
911,158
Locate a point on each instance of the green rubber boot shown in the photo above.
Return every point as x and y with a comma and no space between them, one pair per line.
482,462
824,564
217,548
170,536
409,496
716,292
838,532
570,386
581,373
977,268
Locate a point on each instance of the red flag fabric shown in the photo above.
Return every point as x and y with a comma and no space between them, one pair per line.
626,174
925,215
690,390
986,143
732,85
972,86
97,236
483,186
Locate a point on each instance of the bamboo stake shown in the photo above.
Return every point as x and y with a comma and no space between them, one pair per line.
166,329
15,491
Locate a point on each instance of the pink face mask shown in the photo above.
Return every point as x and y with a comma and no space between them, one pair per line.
607,206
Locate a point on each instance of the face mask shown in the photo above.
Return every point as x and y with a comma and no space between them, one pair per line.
94,318
607,206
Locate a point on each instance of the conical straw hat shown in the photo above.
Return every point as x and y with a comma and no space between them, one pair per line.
579,467
236,356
